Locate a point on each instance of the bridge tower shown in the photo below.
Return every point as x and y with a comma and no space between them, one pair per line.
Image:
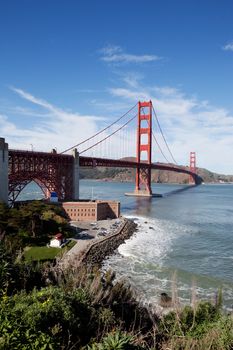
75,189
192,166
3,171
144,132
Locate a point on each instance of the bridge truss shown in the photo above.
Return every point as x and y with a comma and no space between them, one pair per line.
51,171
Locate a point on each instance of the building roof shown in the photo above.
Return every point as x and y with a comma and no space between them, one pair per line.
58,236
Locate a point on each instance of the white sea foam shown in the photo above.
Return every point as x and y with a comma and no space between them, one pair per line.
142,259
152,241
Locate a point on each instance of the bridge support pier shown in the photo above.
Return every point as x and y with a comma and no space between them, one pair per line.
3,171
75,192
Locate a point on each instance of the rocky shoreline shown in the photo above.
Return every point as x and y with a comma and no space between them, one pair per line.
95,254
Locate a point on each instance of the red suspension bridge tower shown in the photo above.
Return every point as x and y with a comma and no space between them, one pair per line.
144,133
192,166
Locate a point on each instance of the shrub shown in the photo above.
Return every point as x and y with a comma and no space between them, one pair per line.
57,317
114,341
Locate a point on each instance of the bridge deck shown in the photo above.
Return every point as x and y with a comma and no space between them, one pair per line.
118,163
104,162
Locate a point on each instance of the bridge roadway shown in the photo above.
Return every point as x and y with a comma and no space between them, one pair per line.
118,163
60,172
105,162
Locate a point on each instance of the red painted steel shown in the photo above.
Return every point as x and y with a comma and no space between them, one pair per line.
54,172
51,171
118,163
143,175
192,167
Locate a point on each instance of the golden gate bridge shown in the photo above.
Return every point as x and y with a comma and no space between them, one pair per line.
111,146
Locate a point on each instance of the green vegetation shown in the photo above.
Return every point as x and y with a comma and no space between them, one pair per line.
46,253
31,224
44,308
69,245
81,309
202,327
41,253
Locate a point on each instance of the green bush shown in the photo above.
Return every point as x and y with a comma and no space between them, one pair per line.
114,341
57,317
199,328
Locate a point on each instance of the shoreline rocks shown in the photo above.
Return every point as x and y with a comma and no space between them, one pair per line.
165,300
100,250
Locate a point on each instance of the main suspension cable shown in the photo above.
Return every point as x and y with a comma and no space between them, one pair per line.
107,137
156,118
156,139
159,147
99,132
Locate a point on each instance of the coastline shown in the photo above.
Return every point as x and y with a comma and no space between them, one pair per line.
94,253
99,250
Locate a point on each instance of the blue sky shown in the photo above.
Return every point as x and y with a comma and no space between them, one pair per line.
67,68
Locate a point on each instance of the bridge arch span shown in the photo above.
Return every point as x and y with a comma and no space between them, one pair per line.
51,172
16,187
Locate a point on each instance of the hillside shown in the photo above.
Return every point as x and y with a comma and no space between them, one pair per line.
160,176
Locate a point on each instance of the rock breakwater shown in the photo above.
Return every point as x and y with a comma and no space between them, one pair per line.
99,250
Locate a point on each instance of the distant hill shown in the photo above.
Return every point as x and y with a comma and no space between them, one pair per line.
160,176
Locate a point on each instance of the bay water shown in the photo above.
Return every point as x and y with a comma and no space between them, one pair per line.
183,238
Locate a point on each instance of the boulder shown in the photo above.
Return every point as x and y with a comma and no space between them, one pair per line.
165,300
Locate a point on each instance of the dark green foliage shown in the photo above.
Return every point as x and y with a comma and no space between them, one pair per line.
4,213
86,308
114,341
117,296
189,320
57,316
17,275
199,328
31,224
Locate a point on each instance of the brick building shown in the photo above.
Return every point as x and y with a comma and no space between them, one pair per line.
92,210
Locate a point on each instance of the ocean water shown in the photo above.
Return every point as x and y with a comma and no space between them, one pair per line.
183,239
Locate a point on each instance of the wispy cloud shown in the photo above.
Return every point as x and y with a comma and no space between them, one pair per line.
228,47
189,123
25,112
132,79
62,129
54,110
115,54
59,129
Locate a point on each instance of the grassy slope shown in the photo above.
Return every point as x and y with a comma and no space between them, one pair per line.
46,253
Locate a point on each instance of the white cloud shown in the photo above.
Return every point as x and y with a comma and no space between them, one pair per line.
189,125
25,112
132,79
129,94
228,47
59,129
62,129
115,54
